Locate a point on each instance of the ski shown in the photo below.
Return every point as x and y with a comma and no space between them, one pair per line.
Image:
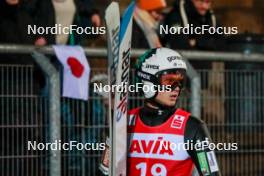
119,47
112,19
119,140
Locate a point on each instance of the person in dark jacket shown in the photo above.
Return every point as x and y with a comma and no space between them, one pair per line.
14,19
193,13
47,13
13,23
147,16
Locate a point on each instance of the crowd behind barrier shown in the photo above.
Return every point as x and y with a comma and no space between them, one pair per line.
231,105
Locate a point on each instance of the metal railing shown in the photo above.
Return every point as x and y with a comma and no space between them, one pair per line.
230,101
102,52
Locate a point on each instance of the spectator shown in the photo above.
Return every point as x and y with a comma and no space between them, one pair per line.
13,23
65,12
196,13
13,30
147,16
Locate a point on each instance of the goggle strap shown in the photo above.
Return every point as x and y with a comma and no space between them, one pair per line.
146,76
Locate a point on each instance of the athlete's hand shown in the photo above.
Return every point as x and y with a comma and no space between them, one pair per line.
96,20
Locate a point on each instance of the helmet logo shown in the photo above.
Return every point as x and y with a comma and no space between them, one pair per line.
172,58
178,64
152,66
143,75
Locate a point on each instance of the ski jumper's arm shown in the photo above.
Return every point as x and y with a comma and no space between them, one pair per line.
197,136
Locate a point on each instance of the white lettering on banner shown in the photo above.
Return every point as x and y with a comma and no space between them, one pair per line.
146,145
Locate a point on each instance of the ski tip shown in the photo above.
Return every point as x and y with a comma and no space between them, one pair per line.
114,6
128,14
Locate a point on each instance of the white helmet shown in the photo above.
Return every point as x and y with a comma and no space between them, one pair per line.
155,62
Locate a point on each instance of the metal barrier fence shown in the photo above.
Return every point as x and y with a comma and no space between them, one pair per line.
232,102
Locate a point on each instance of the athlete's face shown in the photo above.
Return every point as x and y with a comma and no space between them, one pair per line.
175,80
168,98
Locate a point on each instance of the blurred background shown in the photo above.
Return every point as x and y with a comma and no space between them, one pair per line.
225,85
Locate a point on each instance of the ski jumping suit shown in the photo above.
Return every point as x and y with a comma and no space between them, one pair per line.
156,139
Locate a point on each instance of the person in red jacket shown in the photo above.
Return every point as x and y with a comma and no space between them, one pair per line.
165,140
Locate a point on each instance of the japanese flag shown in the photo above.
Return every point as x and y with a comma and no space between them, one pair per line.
76,71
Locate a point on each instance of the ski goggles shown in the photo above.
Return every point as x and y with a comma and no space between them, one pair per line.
204,1
173,79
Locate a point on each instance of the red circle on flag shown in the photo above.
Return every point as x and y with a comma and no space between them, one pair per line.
77,68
